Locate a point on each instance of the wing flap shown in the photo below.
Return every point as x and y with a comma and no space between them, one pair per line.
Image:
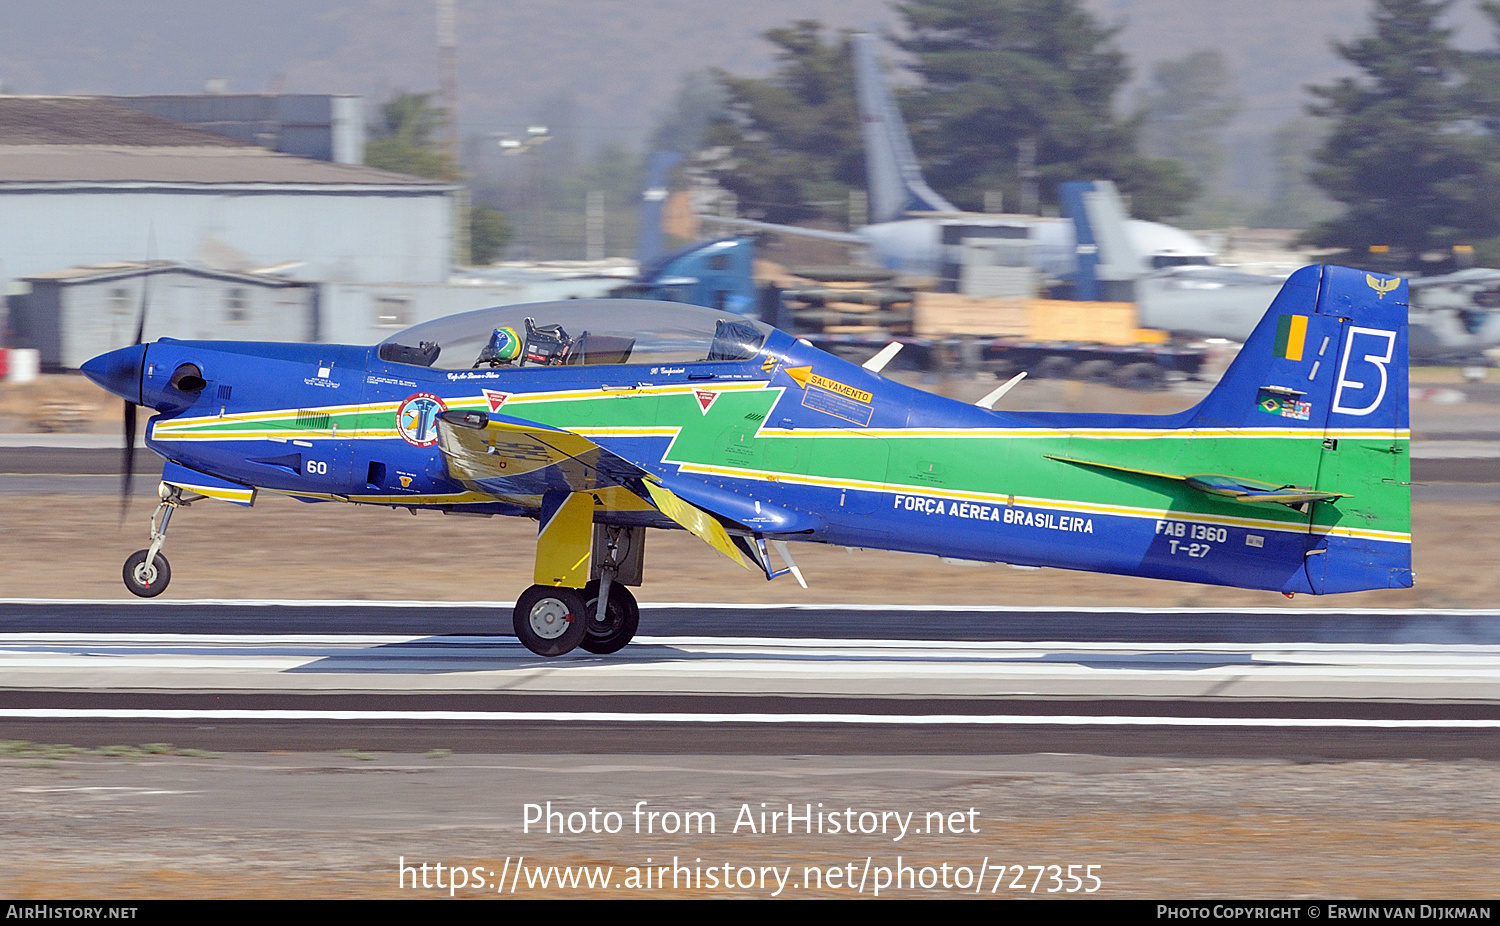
697,522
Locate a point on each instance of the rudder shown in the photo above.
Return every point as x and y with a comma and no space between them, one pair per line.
1329,361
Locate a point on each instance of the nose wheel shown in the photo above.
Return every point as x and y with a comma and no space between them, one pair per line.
147,572
145,575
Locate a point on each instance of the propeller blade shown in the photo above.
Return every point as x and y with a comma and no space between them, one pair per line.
140,322
127,464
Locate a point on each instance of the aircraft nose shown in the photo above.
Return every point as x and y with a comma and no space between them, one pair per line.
119,371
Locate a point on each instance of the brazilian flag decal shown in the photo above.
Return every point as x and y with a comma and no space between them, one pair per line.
1291,333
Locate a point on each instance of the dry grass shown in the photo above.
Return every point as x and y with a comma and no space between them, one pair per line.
72,546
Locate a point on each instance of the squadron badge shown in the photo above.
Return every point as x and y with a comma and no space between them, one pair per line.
416,419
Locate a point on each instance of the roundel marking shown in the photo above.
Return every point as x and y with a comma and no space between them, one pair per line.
416,419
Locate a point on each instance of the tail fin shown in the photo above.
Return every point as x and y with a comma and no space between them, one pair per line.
1336,338
895,180
1329,361
649,243
1108,262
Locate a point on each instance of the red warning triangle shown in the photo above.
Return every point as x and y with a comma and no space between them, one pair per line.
706,399
496,399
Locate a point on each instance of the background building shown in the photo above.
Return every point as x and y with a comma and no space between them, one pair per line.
104,200
324,127
85,182
74,314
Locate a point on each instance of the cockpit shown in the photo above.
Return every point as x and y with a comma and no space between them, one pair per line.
577,333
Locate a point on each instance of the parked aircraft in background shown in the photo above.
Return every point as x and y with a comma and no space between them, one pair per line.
914,230
1456,316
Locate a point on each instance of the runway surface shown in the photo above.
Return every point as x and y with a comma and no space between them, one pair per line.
419,676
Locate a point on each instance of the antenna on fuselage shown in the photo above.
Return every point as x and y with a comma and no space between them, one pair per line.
877,363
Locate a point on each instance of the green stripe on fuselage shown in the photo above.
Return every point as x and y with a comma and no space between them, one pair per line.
739,436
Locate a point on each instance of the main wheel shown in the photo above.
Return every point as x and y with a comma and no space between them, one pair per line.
1142,377
621,618
1054,368
1096,371
143,580
550,621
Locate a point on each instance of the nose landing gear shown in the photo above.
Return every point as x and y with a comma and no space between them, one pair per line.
147,571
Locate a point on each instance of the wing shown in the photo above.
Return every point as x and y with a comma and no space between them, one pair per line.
521,461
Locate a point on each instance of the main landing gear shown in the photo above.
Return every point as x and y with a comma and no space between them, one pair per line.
147,571
552,621
601,617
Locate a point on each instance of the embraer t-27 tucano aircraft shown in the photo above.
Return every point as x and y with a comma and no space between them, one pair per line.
603,418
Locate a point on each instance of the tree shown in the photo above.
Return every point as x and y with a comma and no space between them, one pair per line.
1480,97
794,137
1295,202
1190,102
1001,76
402,140
1402,155
489,233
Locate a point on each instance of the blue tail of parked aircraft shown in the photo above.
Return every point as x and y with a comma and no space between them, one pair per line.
895,180
653,198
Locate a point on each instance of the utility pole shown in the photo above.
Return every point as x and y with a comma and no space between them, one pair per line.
1026,170
447,37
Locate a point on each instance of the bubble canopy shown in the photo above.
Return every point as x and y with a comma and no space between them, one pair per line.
576,333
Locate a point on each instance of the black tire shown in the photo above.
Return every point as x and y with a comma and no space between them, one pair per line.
144,582
622,616
1096,371
1054,368
550,621
1142,377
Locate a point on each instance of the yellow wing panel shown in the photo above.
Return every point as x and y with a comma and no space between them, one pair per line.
697,522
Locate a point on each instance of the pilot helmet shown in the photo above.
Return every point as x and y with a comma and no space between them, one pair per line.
504,346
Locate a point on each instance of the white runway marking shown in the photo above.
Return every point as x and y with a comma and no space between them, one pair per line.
504,607
661,717
747,666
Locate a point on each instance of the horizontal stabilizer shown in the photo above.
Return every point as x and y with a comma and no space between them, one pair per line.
1230,487
1247,490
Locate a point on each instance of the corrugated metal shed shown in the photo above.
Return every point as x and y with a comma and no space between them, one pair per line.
45,120
76,313
73,164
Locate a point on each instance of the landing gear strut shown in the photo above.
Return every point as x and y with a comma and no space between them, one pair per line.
146,571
